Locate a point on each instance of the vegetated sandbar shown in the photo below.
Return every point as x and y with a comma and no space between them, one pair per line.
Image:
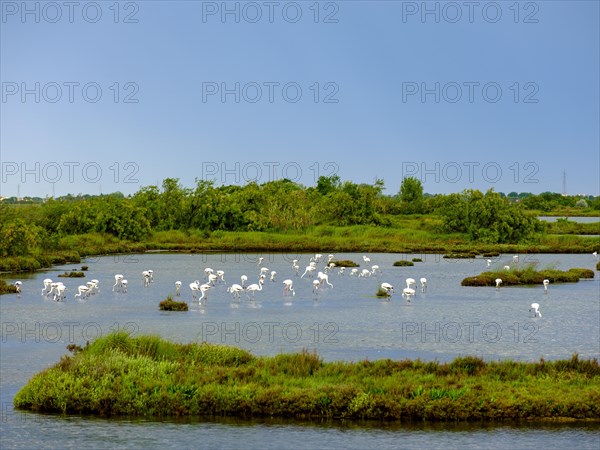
120,375
528,276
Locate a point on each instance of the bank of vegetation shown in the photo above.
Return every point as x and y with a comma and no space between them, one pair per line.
119,375
528,276
283,216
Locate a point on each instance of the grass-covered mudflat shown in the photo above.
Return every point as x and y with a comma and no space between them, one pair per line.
527,276
148,376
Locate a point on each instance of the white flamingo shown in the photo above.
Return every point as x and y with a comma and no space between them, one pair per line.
408,293
341,271
288,286
516,259
124,285
366,259
260,261
17,286
254,287
82,291
204,288
47,285
315,288
295,266
178,288
410,282
221,275
498,282
118,282
374,269
195,287
95,289
535,309
546,283
354,272
273,275
506,267
146,276
60,292
235,290
244,278
388,288
309,269
423,282
324,278
365,273
212,279
489,262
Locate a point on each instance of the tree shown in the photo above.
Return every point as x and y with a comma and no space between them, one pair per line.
411,195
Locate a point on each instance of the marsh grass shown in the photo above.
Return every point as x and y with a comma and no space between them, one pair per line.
148,376
528,276
6,288
169,304
403,263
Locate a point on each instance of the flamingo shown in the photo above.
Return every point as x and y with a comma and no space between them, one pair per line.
506,267
82,291
410,282
535,309
18,286
295,266
366,259
195,287
316,284
178,288
47,283
204,288
423,284
208,271
309,269
221,275
254,287
260,260
408,293
374,269
516,259
595,254
118,282
95,288
212,279
341,271
324,278
273,274
146,276
124,285
546,283
60,292
489,262
498,283
244,278
235,290
388,288
365,273
316,258
354,272
288,286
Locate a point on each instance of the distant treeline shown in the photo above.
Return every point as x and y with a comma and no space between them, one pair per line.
278,206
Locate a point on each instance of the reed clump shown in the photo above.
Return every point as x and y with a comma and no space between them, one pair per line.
528,276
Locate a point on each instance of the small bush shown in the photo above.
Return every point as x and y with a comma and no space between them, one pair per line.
403,263
169,304
84,268
417,260
345,263
72,274
6,288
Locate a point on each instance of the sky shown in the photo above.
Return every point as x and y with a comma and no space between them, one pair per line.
99,97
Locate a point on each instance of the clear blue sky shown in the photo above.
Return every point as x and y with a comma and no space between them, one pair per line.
516,101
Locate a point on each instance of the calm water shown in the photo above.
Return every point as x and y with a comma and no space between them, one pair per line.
571,219
344,322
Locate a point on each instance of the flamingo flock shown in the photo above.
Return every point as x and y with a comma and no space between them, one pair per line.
200,290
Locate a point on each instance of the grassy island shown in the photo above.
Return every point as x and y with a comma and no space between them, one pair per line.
528,276
148,376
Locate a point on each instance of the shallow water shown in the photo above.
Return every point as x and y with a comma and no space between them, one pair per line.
344,322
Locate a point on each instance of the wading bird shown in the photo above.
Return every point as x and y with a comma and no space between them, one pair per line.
18,286
124,286
498,282
235,290
423,284
118,282
546,283
178,288
388,288
288,286
47,286
535,309
82,291
254,287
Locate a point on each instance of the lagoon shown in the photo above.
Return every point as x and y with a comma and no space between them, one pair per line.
344,322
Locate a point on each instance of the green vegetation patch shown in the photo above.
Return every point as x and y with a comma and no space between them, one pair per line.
169,304
403,263
417,260
345,263
6,288
528,276
468,255
72,274
120,375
